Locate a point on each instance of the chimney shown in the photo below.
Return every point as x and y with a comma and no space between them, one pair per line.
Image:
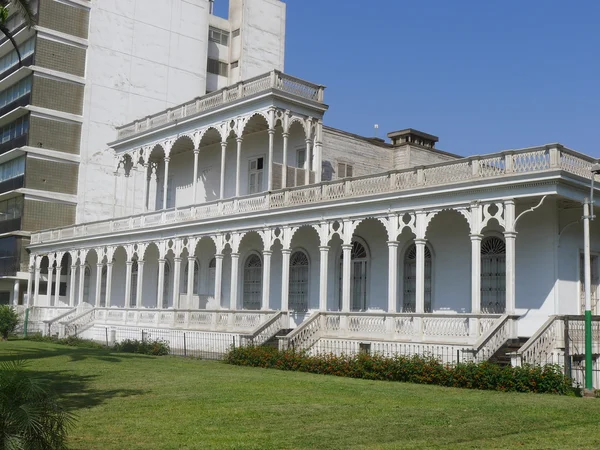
412,137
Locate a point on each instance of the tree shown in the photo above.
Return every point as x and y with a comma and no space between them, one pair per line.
23,8
8,321
30,416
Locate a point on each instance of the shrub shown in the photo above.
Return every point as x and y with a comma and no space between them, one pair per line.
411,369
146,347
30,416
71,341
8,321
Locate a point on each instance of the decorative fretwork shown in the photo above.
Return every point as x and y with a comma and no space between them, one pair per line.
493,275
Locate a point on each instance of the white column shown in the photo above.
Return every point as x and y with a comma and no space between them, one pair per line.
30,283
36,292
270,160
218,278
510,238
476,273
49,284
195,181
323,269
16,292
238,166
235,264
57,290
161,283
392,276
318,151
165,183
139,299
285,160
176,277
346,274
109,269
81,283
190,281
99,267
72,285
266,280
128,269
307,163
222,185
420,275
285,279
146,185
114,208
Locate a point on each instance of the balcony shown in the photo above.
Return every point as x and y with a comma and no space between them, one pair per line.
9,266
21,101
493,167
6,226
272,81
19,141
27,61
12,184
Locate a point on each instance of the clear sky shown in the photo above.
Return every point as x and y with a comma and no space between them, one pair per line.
482,75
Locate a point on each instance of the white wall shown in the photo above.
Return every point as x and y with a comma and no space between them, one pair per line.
142,58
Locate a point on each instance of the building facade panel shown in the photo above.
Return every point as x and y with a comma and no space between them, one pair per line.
55,134
62,96
63,17
39,215
60,56
53,176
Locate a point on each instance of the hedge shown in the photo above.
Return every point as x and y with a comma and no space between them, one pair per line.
410,369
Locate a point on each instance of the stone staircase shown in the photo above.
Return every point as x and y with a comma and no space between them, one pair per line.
273,341
502,356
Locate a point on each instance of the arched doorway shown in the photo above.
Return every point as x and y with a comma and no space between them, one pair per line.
409,299
298,287
252,283
493,275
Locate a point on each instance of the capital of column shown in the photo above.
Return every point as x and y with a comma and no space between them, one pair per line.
109,264
167,159
73,266
271,131
99,265
191,258
177,259
393,243
239,139
267,252
324,248
510,234
308,141
129,263
476,237
220,255
223,144
140,262
420,241
287,251
285,134
233,255
346,246
162,260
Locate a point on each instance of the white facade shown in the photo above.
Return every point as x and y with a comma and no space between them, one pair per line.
147,56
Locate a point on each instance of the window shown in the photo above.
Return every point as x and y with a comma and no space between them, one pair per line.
218,36
252,283
300,158
134,282
235,64
212,274
217,67
358,277
87,274
12,169
166,286
11,209
345,170
103,286
235,33
493,275
15,129
255,175
15,91
298,289
409,301
195,280
27,48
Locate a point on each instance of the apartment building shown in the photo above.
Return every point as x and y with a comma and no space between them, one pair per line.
88,65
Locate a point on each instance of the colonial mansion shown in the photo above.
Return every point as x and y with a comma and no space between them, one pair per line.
240,212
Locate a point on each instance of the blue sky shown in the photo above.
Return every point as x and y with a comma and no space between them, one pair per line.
484,76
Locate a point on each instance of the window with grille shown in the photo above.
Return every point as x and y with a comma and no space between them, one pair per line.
359,260
493,275
252,283
218,36
134,278
167,286
300,158
103,286
212,275
255,175
217,67
87,275
298,289
409,299
345,170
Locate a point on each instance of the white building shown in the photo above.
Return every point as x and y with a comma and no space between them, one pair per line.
239,213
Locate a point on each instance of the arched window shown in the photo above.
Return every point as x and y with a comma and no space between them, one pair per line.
167,286
298,289
87,274
359,260
252,282
493,275
409,300
103,286
212,274
134,278
196,277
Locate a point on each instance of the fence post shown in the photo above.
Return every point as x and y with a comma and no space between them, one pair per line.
106,335
142,336
567,361
184,346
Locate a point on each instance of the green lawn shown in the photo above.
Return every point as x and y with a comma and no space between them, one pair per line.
130,401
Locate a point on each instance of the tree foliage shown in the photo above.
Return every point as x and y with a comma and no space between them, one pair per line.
30,417
8,321
23,7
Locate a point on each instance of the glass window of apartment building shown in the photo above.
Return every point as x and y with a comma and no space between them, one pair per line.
27,48
12,169
218,36
15,129
15,91
217,67
11,209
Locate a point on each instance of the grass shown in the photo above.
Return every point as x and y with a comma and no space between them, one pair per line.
132,401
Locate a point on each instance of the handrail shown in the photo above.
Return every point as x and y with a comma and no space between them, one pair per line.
489,335
50,322
260,335
285,341
71,325
543,329
517,162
